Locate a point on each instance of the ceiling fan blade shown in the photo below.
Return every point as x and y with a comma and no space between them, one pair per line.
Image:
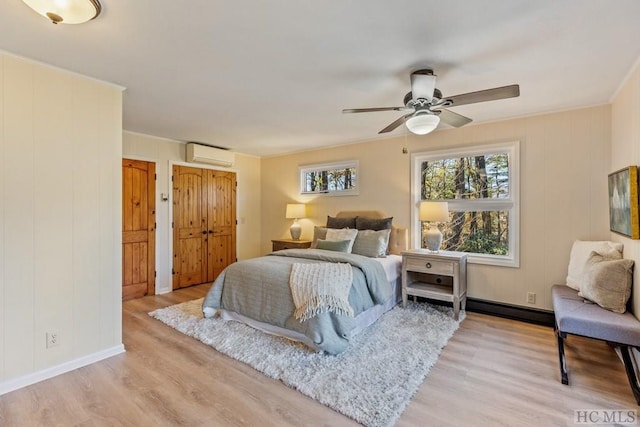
396,123
423,82
484,95
373,110
453,119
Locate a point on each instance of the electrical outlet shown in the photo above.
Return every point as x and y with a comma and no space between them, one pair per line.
53,339
531,297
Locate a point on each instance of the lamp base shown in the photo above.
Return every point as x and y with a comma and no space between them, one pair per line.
433,238
295,231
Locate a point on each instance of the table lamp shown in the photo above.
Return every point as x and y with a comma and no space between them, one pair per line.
434,213
295,211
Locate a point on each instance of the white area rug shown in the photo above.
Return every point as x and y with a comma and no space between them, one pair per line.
371,382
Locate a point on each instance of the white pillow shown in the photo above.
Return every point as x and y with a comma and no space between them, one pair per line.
342,234
580,253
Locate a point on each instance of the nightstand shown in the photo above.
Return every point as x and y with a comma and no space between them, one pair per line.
440,276
280,244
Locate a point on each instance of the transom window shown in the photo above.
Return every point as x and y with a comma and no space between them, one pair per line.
480,184
330,178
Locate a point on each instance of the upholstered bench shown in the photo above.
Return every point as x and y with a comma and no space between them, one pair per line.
577,316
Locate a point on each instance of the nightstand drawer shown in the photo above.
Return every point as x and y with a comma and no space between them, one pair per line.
280,244
429,266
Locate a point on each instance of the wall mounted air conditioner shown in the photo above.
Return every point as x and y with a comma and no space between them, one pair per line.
197,153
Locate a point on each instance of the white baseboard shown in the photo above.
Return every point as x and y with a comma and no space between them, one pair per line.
45,374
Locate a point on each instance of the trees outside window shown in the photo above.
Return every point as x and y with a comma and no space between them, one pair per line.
480,184
333,178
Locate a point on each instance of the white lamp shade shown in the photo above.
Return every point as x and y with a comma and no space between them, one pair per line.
422,124
434,211
66,11
295,210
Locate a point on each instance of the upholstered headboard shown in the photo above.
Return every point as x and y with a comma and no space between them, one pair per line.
398,238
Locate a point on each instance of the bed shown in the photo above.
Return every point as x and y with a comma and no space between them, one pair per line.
257,291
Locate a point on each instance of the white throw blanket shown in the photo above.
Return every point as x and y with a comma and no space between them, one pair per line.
319,288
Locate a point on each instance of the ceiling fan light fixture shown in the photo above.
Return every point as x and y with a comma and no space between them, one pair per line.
422,124
66,11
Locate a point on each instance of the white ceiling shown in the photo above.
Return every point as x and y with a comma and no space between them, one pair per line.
269,77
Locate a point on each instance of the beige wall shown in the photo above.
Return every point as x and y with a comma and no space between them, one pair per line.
165,152
625,151
564,166
60,216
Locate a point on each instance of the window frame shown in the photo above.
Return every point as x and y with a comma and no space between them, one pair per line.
303,170
511,204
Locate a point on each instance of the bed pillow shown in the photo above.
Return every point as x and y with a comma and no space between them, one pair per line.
375,224
607,282
371,243
333,222
334,245
580,253
318,233
343,234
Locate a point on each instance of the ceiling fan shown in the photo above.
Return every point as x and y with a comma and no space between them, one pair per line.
427,105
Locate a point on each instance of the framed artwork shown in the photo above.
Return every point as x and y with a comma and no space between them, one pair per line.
623,202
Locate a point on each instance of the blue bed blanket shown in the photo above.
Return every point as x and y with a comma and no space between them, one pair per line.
258,288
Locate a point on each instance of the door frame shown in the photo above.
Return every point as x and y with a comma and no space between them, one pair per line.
157,199
173,163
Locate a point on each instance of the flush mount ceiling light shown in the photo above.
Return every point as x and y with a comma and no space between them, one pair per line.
422,123
66,11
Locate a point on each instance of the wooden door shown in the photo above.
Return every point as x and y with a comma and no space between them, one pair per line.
204,224
138,228
222,221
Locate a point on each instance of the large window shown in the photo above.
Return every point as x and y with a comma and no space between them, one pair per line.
331,178
480,184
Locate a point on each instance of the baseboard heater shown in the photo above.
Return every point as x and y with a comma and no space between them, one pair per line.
507,311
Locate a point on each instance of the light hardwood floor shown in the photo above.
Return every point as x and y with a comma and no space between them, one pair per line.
493,372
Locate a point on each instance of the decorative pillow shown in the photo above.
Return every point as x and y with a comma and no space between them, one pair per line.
318,233
343,234
375,224
607,282
333,222
580,252
371,243
334,245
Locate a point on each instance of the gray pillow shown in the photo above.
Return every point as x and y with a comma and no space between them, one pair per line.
371,243
318,233
334,245
607,282
333,222
375,224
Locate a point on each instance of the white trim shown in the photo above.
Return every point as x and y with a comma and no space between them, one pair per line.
45,374
625,80
512,203
60,69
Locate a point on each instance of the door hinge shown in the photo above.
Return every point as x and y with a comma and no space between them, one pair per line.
173,271
155,176
155,226
171,178
171,224
236,222
155,274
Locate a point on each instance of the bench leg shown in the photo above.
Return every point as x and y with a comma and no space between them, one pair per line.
563,360
629,366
